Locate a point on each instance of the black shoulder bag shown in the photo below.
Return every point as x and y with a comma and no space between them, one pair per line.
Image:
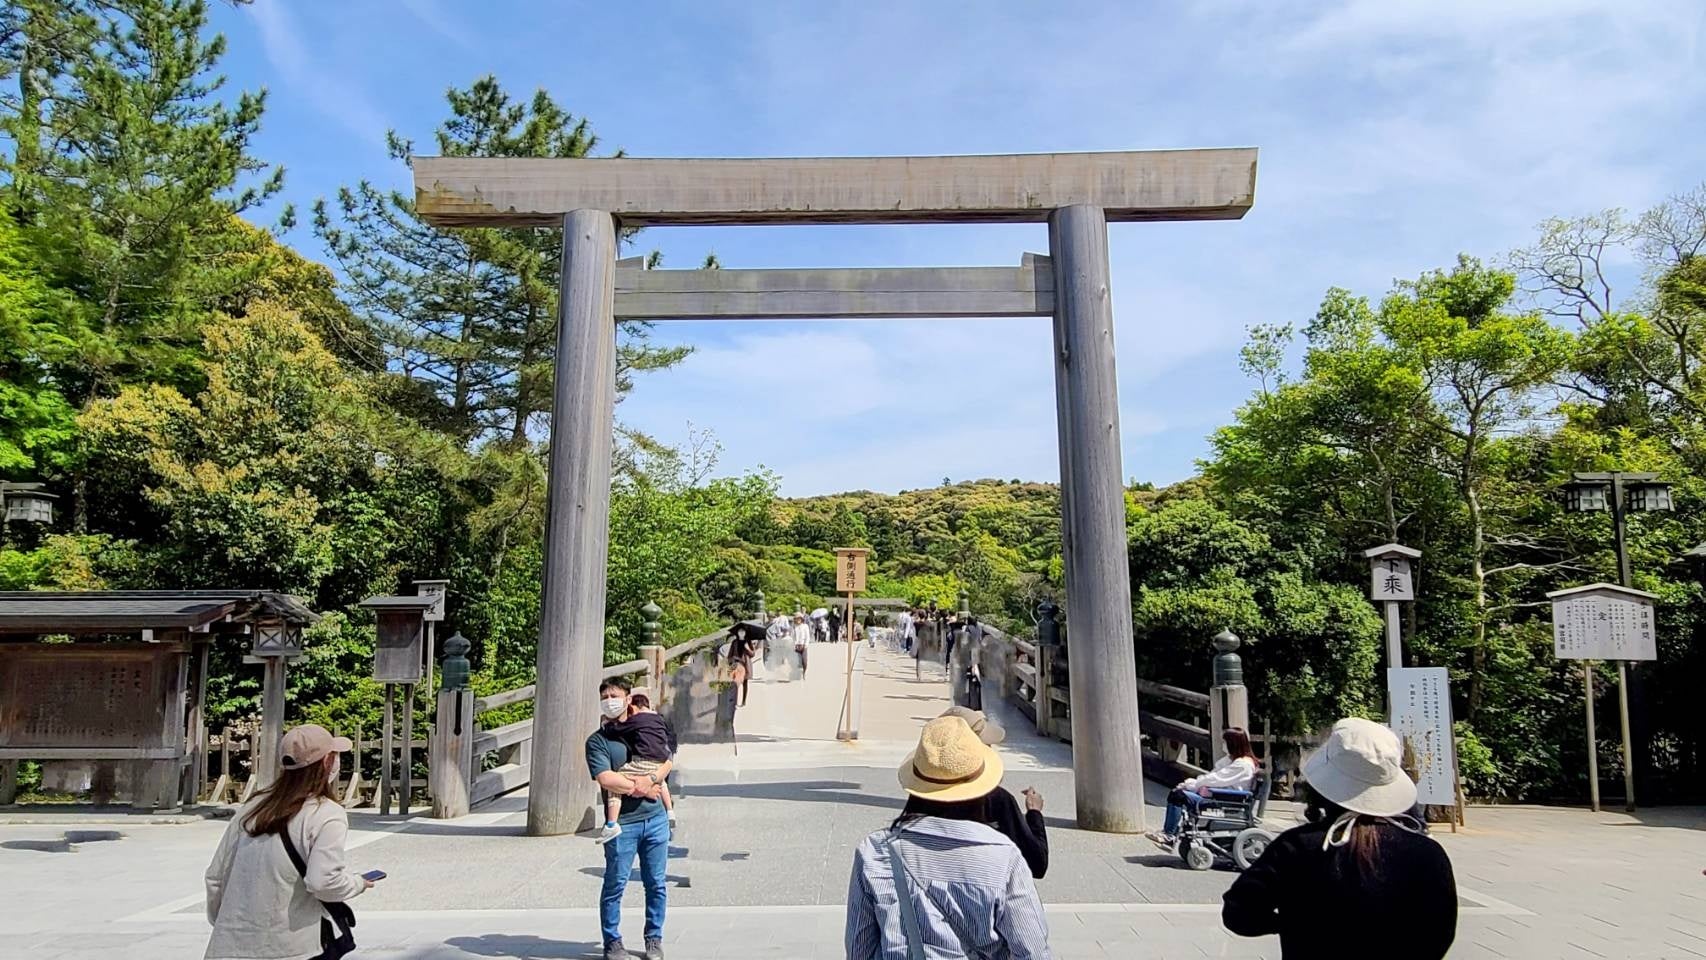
336,941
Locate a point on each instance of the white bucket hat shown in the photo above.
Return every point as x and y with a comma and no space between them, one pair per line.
1359,769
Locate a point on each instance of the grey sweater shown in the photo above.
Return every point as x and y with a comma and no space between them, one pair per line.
259,907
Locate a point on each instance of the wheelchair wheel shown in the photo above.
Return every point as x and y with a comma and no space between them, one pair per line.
1249,845
1196,856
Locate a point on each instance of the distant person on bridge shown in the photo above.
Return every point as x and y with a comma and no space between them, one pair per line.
645,829
802,636
1024,827
940,875
834,622
1361,878
1235,771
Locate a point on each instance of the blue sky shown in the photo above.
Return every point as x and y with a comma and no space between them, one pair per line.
1393,134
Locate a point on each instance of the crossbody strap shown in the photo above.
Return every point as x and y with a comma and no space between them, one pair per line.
336,918
903,893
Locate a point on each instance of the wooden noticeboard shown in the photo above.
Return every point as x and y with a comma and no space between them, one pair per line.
1603,621
119,697
850,569
397,658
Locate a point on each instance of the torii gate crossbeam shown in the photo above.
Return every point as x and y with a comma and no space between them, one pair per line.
1077,194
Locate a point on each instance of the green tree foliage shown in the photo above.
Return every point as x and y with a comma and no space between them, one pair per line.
127,166
468,317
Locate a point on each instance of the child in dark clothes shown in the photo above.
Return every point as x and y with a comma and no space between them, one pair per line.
651,742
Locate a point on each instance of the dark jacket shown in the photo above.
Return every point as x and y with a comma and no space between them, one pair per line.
1324,908
1024,827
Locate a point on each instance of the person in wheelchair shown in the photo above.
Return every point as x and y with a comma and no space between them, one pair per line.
1230,780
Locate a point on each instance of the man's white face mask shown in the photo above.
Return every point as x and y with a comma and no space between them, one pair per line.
613,707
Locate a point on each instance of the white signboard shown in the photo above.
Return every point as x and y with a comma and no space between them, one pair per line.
1421,716
1603,625
1391,579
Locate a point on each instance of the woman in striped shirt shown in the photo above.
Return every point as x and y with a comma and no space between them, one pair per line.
940,881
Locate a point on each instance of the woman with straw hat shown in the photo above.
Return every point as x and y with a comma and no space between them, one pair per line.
940,881
1361,877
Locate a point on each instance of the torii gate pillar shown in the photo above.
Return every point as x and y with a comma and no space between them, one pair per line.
1108,779
561,796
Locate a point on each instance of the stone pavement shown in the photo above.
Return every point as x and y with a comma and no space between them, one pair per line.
759,868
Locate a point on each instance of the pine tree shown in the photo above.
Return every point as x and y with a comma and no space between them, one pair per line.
471,314
126,170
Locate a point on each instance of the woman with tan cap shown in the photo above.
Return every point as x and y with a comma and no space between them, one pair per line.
1361,877
940,882
279,870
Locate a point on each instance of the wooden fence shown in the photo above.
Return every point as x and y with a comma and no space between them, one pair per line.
1033,678
512,743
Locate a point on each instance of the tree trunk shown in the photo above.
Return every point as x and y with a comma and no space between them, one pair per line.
1477,569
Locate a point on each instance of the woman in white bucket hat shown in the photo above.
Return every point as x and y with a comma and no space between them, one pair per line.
940,881
1361,877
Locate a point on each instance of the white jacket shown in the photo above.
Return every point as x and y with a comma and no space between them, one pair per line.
1227,775
260,908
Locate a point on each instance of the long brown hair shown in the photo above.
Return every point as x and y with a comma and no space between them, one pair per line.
1237,741
278,803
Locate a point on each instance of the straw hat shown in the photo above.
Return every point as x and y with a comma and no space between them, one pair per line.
308,744
1359,769
986,729
951,764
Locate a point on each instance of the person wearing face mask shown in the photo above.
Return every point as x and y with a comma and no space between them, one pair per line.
644,828
278,879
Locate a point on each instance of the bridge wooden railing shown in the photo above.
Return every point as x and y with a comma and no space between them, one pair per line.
513,742
1032,677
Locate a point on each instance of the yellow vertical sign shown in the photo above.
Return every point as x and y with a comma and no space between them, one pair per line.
850,569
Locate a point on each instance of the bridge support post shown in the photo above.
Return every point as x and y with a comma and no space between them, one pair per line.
1107,760
450,761
577,529
1228,698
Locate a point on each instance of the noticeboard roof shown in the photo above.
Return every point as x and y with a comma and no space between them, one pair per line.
415,602
37,612
1392,550
1630,592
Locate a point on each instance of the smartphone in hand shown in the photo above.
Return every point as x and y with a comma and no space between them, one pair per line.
373,876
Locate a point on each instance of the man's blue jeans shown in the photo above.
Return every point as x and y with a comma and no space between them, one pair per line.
650,839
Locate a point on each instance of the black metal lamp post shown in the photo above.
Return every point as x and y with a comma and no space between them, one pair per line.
1622,492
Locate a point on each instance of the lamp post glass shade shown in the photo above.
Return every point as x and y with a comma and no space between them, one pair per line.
1650,498
28,506
1587,496
276,638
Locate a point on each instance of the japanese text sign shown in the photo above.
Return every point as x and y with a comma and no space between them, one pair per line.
1421,717
1603,622
850,569
1391,579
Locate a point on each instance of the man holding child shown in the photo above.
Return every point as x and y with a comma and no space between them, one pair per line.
622,758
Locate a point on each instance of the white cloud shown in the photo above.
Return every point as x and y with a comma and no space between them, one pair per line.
434,17
334,95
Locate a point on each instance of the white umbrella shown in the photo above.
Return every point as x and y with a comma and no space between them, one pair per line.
820,612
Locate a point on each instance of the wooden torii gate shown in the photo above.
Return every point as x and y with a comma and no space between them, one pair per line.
1076,194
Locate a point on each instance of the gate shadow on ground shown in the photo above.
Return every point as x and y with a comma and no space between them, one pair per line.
808,791
512,945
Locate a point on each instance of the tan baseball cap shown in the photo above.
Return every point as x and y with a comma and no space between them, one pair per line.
986,729
307,745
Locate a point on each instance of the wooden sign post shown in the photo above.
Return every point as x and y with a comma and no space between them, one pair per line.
850,580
